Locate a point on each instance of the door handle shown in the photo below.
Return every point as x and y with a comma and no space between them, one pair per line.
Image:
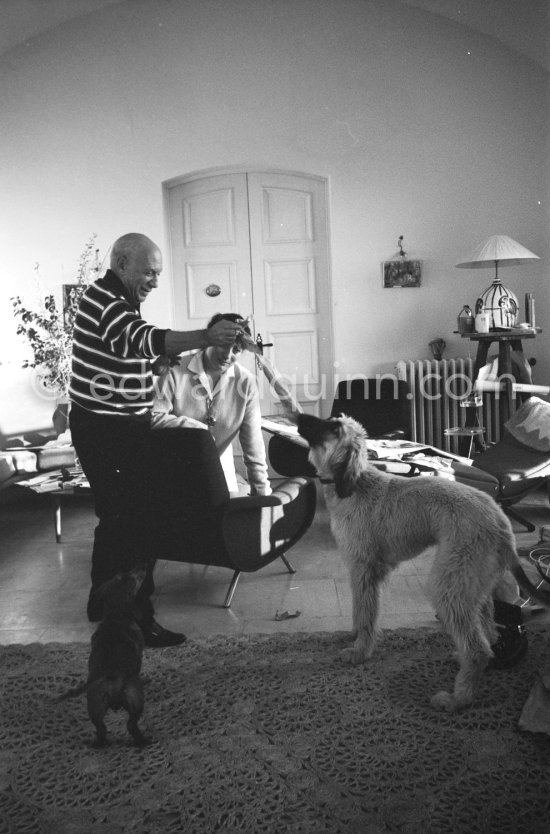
261,344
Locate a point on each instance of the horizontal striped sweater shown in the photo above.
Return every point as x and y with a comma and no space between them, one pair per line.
112,352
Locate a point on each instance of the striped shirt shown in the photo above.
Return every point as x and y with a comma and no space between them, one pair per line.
112,349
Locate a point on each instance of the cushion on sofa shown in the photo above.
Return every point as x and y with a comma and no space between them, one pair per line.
24,461
7,467
530,424
53,457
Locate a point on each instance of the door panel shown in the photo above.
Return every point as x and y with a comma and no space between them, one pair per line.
290,287
210,249
209,219
289,255
287,213
198,277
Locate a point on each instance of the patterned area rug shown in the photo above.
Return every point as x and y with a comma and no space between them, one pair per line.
274,734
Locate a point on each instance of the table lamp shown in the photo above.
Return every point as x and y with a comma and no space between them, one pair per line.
500,303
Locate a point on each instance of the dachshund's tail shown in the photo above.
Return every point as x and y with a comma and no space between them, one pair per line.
73,693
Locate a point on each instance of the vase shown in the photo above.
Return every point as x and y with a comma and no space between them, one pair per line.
60,417
500,303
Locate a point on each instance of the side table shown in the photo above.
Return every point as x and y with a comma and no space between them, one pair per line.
472,428
508,341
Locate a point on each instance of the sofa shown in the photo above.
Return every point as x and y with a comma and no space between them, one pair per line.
25,455
291,460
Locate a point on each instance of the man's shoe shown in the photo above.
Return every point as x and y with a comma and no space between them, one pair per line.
507,613
510,647
511,644
157,637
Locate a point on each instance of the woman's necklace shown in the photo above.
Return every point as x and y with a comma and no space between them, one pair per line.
210,419
213,378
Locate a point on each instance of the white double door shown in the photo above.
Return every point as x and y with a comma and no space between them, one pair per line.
257,244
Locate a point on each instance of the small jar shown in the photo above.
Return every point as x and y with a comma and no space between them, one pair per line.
482,323
465,320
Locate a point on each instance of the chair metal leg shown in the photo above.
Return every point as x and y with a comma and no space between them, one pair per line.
517,517
231,589
288,565
235,579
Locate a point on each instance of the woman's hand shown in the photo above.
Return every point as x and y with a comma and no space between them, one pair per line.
162,364
191,423
248,343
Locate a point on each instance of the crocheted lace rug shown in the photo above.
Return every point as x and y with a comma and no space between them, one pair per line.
274,734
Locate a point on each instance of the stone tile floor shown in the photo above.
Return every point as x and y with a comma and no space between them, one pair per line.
44,585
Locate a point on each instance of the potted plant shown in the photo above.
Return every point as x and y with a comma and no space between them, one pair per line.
49,329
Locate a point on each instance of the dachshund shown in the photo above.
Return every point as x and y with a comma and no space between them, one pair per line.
115,659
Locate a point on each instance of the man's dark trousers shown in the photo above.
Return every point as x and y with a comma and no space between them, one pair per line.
114,453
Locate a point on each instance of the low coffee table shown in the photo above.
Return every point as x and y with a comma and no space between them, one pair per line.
54,483
67,489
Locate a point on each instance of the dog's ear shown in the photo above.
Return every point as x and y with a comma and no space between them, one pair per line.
347,460
342,483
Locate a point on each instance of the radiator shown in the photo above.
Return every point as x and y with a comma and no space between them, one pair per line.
437,387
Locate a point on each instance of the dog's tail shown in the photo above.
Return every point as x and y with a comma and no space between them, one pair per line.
525,583
73,693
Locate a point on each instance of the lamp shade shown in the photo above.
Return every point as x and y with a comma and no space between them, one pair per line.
500,248
501,304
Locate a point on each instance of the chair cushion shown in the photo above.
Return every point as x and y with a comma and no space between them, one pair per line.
7,467
530,424
518,468
476,478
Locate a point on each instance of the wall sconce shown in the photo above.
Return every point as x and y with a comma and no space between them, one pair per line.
437,346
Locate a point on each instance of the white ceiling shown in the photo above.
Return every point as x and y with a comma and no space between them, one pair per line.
23,19
522,25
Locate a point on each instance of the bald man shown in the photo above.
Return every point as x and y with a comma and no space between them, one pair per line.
111,401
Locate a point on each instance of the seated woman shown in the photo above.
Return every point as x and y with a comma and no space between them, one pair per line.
211,390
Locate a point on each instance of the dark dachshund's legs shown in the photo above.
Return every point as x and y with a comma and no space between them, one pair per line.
133,703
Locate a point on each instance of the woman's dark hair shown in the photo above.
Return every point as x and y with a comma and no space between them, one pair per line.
228,317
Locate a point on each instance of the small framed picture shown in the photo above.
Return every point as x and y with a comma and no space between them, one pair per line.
401,274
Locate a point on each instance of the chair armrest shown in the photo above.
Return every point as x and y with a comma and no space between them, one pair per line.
258,529
285,492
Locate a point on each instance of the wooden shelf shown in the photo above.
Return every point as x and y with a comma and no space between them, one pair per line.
464,431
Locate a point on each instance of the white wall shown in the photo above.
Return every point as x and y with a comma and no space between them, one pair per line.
423,127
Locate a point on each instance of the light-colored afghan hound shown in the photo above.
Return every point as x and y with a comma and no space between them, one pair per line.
379,520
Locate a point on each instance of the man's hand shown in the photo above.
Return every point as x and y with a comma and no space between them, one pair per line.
223,333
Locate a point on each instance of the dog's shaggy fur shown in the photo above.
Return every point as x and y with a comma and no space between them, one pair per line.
379,520
115,658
